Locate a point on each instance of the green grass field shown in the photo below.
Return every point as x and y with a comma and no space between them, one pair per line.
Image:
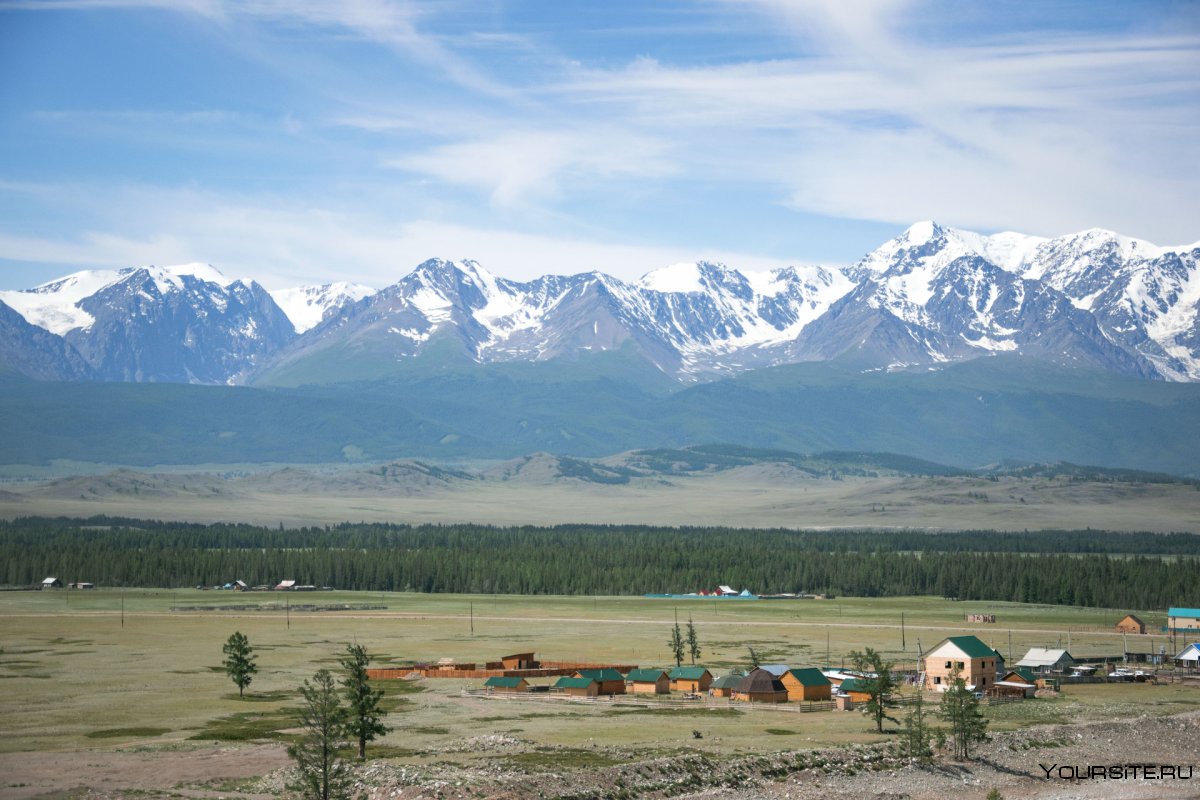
77,672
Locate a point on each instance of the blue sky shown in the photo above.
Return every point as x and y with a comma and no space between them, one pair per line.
295,141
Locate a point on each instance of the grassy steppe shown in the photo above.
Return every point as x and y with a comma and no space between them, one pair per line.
74,677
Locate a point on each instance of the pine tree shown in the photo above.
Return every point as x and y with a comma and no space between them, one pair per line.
693,642
917,734
878,684
321,773
753,657
364,711
239,661
960,708
676,645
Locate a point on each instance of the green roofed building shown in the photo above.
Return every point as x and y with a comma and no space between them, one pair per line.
506,684
608,680
578,687
724,685
648,681
806,683
690,679
964,656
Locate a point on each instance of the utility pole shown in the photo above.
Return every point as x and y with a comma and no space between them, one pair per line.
903,643
287,610
471,611
122,608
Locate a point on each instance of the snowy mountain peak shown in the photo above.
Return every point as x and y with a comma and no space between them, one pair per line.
306,306
682,277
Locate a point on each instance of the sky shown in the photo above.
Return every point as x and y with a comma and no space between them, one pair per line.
300,142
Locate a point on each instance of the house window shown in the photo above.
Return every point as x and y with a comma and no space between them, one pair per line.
937,679
960,665
948,665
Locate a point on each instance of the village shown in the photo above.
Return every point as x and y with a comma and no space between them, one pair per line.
983,670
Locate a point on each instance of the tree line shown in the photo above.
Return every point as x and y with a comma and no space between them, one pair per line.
1086,568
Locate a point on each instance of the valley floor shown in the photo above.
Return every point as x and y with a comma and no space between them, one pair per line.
745,497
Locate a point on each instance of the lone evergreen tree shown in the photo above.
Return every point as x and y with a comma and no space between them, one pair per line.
321,773
676,644
364,713
960,708
917,733
693,642
753,657
239,661
877,683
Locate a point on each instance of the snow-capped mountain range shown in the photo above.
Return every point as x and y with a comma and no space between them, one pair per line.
930,296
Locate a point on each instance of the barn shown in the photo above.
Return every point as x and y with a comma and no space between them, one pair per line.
760,686
806,683
648,681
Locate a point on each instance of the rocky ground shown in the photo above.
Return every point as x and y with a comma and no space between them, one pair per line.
1013,763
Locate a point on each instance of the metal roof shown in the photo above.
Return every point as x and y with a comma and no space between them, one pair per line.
574,683
503,682
646,675
688,673
809,676
602,674
1045,657
1183,612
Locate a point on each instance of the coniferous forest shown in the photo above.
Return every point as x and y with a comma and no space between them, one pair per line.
1086,568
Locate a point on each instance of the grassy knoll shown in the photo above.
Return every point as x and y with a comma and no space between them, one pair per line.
74,677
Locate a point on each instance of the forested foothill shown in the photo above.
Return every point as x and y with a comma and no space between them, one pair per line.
1086,568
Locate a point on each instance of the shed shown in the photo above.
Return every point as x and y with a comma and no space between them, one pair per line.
1012,688
1131,624
855,689
806,683
285,586
240,586
724,685
648,681
1047,659
760,686
608,681
52,583
578,687
690,679
506,684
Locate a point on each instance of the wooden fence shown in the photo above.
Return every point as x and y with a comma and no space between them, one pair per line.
706,702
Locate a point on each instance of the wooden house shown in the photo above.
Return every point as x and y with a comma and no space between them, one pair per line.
608,681
690,679
806,683
970,658
1018,682
724,685
1131,624
648,681
52,583
498,683
578,687
760,686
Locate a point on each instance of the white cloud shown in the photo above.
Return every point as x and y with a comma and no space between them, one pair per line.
519,167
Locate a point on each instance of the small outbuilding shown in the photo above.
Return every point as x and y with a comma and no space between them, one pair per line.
285,586
648,681
608,681
499,683
855,689
690,679
578,687
1131,624
760,686
806,683
52,583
